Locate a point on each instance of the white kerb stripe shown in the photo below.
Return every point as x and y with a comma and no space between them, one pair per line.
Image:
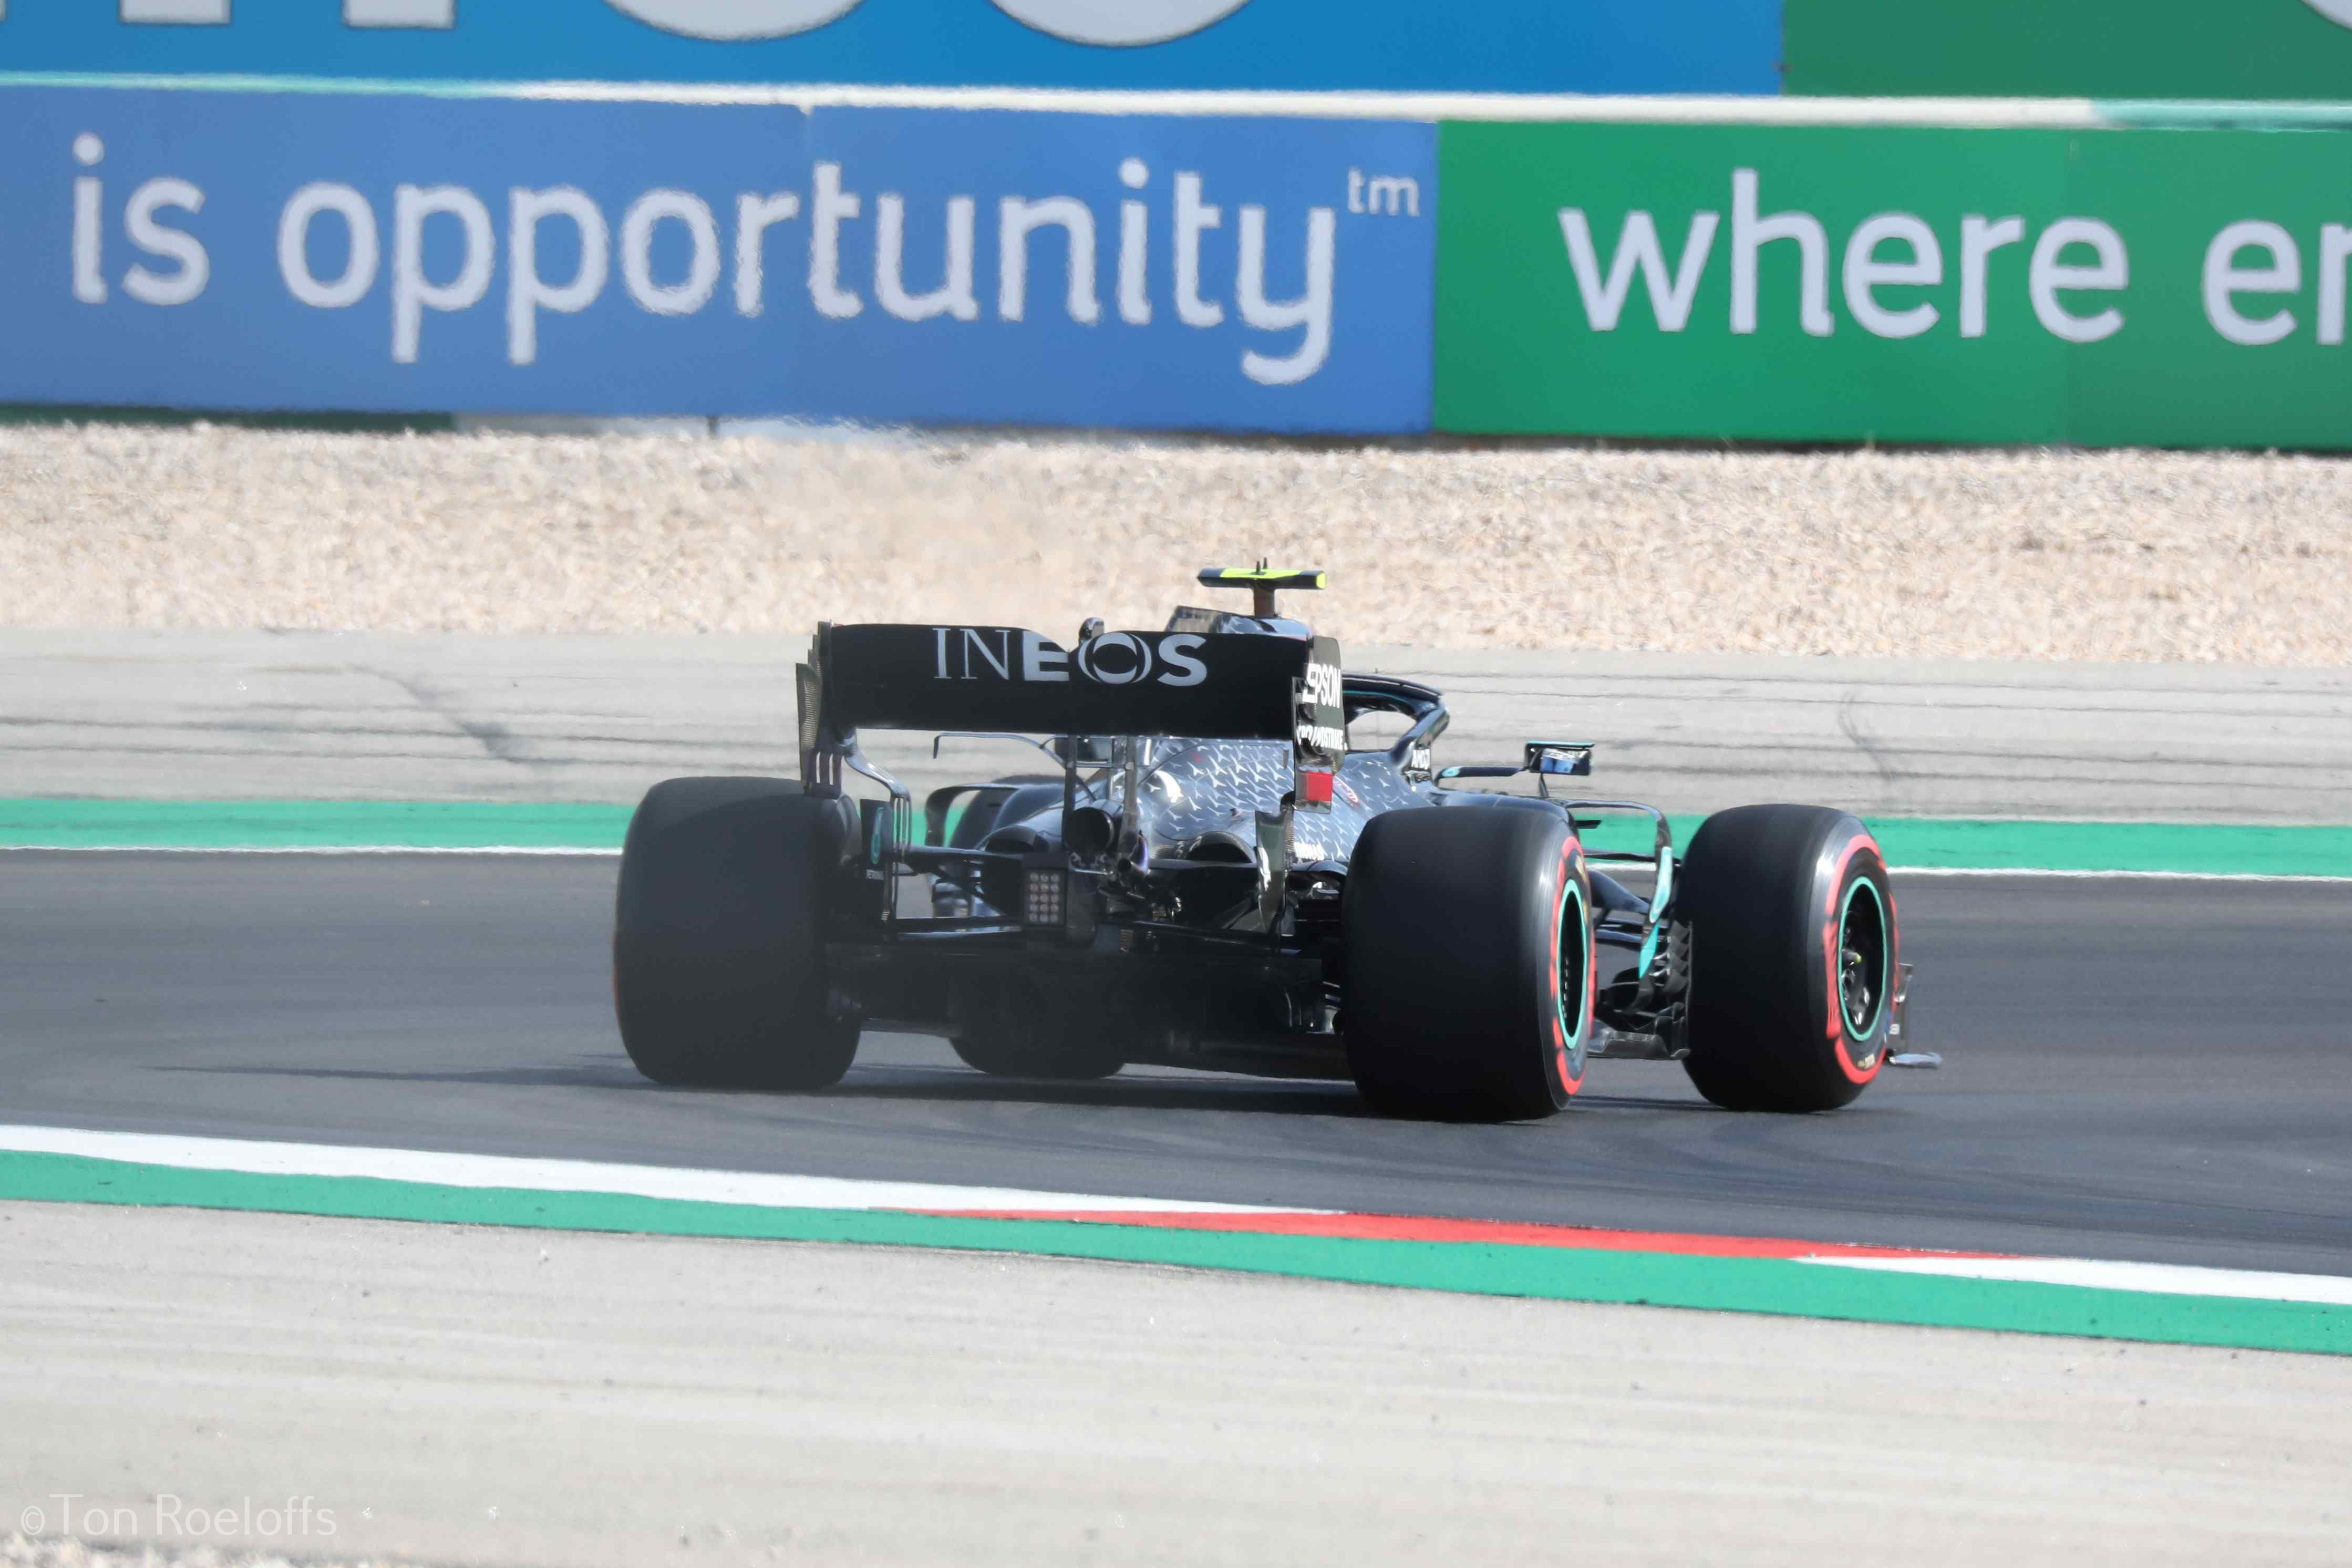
2154,1279
755,1188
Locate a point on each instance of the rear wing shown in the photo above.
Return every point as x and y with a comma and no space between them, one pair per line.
1209,685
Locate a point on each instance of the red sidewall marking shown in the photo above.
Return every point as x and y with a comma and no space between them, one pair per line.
1837,1035
1563,1049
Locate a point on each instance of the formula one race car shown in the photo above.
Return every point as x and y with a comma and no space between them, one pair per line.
1211,878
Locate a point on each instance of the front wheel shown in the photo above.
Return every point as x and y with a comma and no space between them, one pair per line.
1795,960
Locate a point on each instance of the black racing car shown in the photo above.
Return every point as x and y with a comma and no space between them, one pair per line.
1210,877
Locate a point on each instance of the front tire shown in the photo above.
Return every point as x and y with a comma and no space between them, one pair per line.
1795,958
1470,974
718,974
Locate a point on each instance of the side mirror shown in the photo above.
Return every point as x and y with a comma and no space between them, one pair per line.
1083,750
1559,759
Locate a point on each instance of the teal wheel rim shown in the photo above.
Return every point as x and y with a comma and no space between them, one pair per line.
1865,959
1575,962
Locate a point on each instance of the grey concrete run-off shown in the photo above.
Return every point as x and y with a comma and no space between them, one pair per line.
516,1397
231,714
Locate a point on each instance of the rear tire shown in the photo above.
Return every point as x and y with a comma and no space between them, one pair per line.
1470,971
1794,958
718,973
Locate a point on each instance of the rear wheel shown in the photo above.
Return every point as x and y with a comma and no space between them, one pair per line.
1794,958
1469,962
718,942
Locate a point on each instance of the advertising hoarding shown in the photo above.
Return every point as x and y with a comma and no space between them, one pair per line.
1494,45
366,252
2071,48
387,252
1825,283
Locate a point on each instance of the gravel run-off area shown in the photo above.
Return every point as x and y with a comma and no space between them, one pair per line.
2242,559
52,1552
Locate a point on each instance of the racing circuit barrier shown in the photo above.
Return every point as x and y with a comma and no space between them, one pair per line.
2277,49
501,253
2097,284
1746,268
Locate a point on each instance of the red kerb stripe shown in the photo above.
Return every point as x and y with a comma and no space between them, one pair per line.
1488,1233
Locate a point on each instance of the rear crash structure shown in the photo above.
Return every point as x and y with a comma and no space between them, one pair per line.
1205,874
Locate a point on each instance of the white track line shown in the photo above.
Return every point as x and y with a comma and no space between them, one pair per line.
754,1188
2151,1278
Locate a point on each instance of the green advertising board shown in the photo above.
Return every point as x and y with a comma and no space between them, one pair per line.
2070,48
1854,283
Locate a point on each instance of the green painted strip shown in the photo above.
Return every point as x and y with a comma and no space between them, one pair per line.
1742,1285
1968,844
2169,114
1920,842
295,825
2217,850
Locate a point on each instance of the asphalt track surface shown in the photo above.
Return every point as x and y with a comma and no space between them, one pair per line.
2143,1069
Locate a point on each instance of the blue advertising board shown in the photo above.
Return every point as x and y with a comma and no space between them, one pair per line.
393,252
1486,46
